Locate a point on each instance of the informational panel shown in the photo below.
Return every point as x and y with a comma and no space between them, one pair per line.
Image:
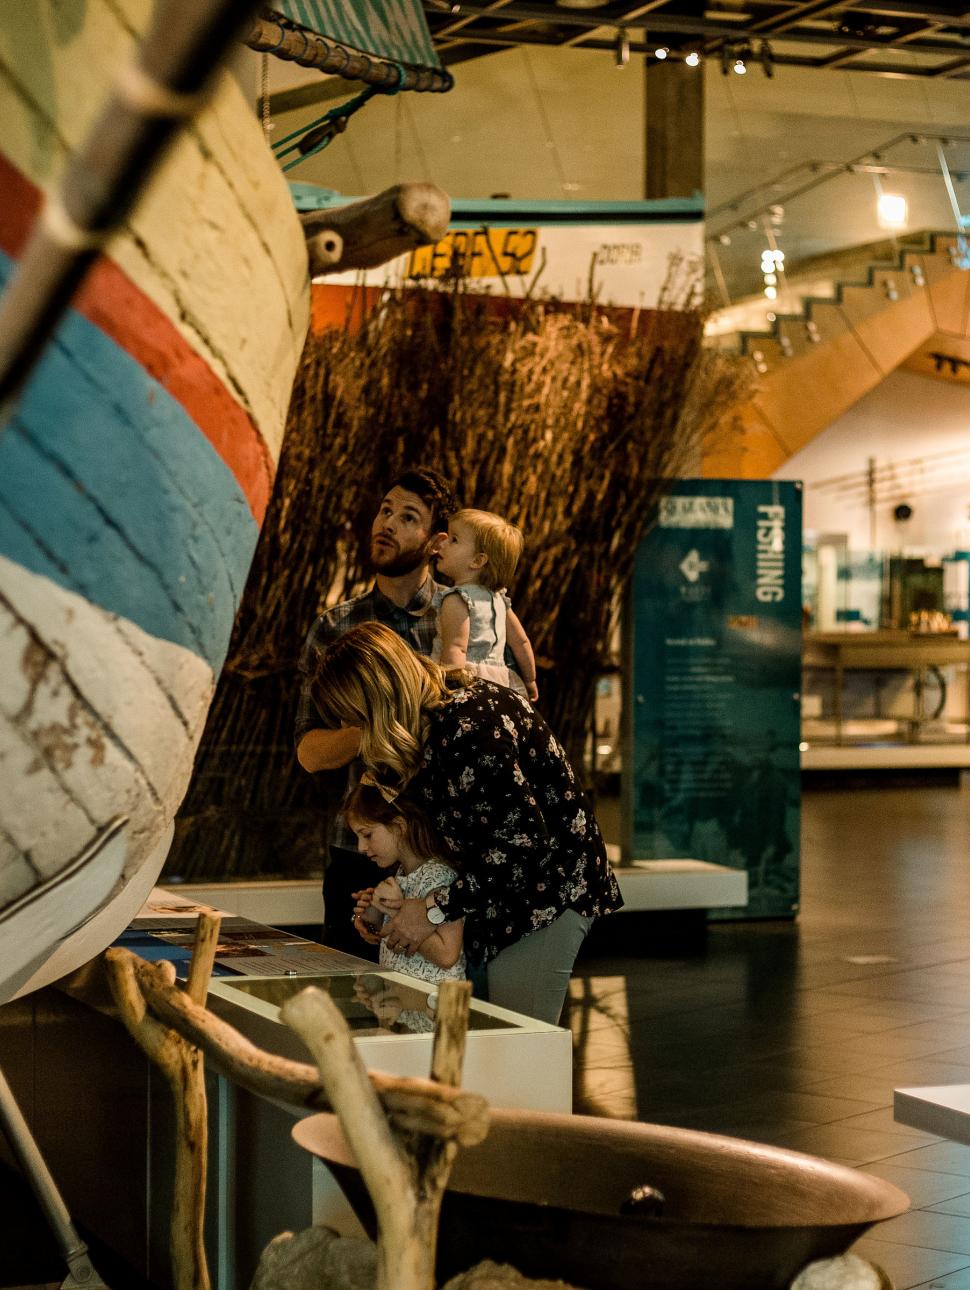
714,650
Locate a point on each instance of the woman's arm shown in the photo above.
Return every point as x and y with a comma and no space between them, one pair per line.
521,647
453,629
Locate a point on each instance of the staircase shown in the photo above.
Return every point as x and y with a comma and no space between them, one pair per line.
847,337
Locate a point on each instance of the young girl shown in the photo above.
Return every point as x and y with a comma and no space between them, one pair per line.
475,618
395,836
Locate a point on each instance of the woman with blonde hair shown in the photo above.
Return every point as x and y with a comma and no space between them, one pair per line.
498,788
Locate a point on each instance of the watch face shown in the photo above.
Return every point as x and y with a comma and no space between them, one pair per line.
435,915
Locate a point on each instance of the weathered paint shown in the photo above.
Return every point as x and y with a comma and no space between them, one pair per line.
107,487
138,465
215,244
98,719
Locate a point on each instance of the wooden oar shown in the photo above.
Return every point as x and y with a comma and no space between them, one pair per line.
155,95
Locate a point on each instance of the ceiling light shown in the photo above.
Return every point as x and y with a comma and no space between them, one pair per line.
693,58
892,210
740,67
661,52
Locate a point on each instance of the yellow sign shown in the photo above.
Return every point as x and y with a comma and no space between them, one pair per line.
476,253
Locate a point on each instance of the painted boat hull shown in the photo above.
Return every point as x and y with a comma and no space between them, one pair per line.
134,475
543,1193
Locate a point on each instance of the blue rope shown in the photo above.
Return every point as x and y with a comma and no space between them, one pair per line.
338,117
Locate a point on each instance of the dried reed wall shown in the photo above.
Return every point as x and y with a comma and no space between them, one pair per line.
561,420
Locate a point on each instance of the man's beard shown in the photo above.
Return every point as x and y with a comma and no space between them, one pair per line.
400,563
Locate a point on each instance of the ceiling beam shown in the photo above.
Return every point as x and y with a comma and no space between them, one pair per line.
901,71
687,25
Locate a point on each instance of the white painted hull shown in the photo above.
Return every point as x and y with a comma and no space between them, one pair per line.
133,479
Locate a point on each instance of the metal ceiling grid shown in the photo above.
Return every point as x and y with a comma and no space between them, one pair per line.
879,37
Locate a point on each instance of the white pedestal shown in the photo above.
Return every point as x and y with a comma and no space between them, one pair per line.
942,1109
680,884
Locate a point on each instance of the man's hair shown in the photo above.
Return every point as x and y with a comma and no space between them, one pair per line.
497,539
437,493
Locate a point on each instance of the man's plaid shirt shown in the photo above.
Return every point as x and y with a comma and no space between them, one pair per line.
416,624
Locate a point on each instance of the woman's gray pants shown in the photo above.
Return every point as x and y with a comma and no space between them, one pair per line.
532,976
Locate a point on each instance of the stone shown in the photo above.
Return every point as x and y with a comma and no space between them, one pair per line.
847,1272
316,1257
499,1276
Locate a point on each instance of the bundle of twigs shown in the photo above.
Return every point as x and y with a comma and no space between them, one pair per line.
561,420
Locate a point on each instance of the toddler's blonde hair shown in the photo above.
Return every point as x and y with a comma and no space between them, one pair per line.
498,540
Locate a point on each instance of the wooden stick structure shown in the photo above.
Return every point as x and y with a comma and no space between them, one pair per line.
182,1064
405,1173
412,1105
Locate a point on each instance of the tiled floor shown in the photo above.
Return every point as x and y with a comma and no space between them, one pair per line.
784,1033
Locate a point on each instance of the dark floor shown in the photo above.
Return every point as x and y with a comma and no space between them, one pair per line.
796,1034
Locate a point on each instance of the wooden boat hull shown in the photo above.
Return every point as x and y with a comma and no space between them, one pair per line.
543,1193
134,475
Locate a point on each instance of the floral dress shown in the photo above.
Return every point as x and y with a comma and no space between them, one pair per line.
420,882
512,818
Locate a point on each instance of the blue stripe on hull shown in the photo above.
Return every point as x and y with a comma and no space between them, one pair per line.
110,489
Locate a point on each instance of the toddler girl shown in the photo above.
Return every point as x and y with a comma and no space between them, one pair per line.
475,618
395,836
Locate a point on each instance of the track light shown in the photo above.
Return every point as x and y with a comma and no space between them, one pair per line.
621,53
692,58
661,52
892,210
735,58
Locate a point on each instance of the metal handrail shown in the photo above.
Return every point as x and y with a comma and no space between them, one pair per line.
868,162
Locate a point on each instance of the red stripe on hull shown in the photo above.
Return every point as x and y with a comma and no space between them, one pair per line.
120,309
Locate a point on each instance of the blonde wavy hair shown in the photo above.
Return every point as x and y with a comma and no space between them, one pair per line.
370,678
498,540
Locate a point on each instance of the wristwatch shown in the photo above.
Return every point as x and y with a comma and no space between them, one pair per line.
436,915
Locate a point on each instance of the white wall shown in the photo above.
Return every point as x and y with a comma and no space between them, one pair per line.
918,431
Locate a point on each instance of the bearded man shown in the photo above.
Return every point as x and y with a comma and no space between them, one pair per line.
410,525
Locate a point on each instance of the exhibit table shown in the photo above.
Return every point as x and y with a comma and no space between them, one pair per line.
100,1110
915,652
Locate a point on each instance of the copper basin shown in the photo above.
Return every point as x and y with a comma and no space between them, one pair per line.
543,1193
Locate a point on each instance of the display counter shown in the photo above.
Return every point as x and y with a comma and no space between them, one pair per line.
100,1110
914,652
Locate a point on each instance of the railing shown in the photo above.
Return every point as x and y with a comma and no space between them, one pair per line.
759,214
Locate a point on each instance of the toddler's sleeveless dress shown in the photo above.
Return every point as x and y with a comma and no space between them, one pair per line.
486,633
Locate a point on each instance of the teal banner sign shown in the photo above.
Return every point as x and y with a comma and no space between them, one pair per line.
715,620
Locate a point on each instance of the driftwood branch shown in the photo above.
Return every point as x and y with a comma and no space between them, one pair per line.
383,1162
203,956
182,1065
413,1105
405,1173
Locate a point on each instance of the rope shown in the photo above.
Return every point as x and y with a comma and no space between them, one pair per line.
310,139
264,98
